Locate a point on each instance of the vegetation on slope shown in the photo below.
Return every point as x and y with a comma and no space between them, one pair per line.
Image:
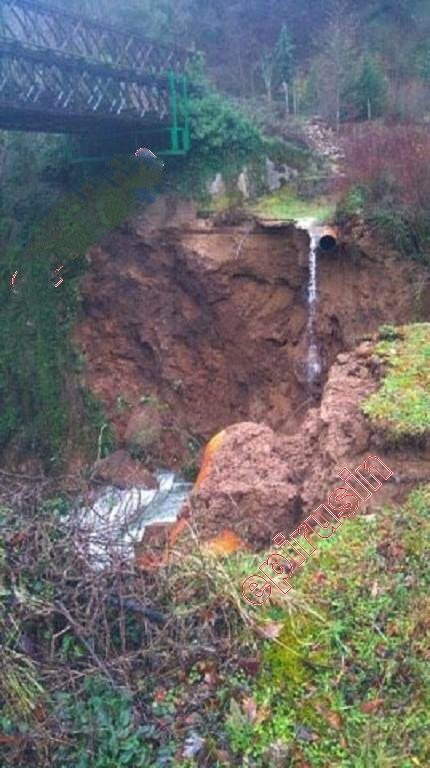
285,204
337,672
37,389
342,60
350,688
401,406
387,185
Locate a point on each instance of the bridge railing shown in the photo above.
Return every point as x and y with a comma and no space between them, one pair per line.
36,24
63,72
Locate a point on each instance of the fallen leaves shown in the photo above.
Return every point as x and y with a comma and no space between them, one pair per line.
304,734
250,665
271,629
249,709
247,712
370,706
225,543
333,719
252,713
319,577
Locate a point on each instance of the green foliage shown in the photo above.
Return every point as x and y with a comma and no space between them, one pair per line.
423,61
105,727
400,224
284,204
36,321
395,227
367,91
352,204
367,650
388,333
402,403
283,57
288,153
95,429
222,139
32,171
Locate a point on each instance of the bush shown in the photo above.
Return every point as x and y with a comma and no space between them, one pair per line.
390,165
223,140
352,204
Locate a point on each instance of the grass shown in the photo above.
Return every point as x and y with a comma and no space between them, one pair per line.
283,204
351,688
402,403
344,683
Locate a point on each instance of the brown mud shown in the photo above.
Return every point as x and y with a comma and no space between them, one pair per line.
203,324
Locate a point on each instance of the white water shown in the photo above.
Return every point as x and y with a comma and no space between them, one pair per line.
313,361
116,521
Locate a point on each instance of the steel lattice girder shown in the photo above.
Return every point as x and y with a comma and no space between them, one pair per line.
61,72
37,25
55,87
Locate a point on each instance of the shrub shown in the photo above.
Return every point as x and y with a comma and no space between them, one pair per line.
392,164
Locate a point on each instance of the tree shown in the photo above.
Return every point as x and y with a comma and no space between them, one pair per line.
266,66
369,92
283,63
333,65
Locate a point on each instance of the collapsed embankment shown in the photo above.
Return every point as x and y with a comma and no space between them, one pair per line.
189,325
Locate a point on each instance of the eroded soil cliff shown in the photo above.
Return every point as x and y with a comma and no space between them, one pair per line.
204,323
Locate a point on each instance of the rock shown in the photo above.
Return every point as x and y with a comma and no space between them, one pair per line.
276,174
243,184
364,350
216,188
121,471
144,428
342,359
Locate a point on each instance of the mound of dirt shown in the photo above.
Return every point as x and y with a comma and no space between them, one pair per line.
258,483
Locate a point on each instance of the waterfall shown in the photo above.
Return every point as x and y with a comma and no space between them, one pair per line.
313,361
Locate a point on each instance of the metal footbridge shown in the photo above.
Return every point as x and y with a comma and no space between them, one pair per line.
62,72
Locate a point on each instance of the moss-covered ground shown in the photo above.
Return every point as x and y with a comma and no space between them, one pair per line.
284,204
401,405
352,687
37,363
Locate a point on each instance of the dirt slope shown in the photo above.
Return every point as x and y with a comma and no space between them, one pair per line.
209,320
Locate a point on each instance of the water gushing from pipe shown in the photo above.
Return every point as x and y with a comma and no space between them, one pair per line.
313,360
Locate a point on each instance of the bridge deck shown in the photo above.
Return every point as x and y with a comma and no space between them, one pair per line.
61,72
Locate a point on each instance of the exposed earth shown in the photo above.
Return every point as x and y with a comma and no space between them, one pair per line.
191,327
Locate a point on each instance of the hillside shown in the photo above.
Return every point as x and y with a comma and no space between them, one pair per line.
214,384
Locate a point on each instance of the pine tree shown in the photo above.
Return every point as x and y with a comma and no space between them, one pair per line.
283,63
369,90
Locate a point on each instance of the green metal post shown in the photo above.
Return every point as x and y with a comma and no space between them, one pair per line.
174,110
187,140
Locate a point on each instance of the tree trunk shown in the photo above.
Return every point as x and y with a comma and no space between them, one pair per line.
287,98
337,110
294,100
369,109
268,86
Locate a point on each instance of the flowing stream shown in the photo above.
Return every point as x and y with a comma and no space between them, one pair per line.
115,523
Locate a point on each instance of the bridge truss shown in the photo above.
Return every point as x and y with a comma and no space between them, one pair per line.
64,73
